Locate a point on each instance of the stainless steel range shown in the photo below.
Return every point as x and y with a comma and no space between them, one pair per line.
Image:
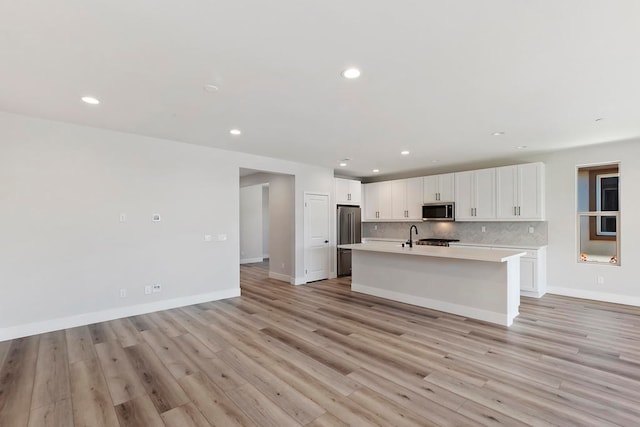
435,242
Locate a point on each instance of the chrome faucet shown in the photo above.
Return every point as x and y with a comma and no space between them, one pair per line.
410,234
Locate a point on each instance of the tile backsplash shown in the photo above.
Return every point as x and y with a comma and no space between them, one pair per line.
505,233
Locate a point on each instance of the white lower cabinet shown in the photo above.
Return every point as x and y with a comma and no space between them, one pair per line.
533,273
533,269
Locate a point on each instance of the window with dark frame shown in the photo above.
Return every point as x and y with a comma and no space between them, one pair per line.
607,200
603,196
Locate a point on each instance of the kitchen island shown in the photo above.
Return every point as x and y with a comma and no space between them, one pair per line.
481,284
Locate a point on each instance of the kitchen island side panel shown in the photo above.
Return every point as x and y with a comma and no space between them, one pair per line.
482,290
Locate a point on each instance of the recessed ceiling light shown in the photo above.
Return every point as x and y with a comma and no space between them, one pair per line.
351,73
90,100
343,164
521,147
211,88
235,132
497,133
376,170
405,153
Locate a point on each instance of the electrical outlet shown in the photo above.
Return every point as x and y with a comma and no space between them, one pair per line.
375,227
484,229
156,218
600,280
157,287
147,290
283,265
123,217
123,293
531,230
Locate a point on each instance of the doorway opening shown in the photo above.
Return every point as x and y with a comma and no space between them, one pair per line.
267,222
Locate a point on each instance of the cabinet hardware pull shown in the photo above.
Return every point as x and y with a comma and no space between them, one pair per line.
518,210
515,212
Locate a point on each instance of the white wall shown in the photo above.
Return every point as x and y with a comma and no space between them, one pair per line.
251,224
565,274
64,255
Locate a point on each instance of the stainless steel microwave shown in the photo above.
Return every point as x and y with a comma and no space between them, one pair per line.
438,212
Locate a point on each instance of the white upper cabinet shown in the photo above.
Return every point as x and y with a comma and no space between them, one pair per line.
399,200
475,195
370,198
406,197
377,201
414,198
348,192
520,192
465,200
510,193
439,188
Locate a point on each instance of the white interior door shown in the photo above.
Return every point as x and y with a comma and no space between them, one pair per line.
317,257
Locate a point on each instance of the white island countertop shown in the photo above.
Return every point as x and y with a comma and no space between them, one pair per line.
472,254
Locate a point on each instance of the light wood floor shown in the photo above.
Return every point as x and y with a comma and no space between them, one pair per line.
320,355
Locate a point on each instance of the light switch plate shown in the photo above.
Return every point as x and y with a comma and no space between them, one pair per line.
123,217
156,218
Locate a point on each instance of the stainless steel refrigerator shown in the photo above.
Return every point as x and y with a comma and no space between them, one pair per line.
349,231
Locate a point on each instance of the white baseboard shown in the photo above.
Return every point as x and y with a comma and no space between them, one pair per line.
250,260
278,276
595,295
532,294
111,314
298,281
265,256
447,307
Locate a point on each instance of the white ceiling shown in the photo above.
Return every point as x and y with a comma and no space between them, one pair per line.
438,77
